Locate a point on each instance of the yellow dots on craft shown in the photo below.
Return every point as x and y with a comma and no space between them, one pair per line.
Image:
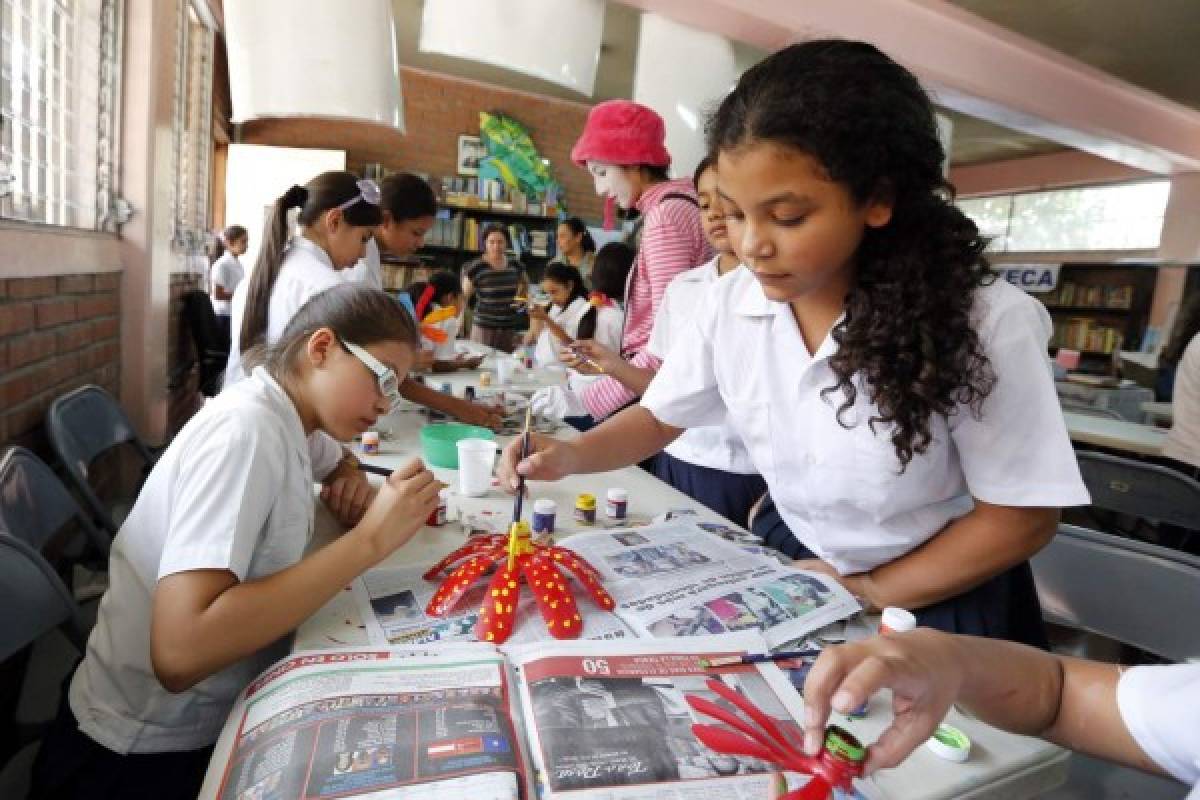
490,636
508,609
512,584
554,605
495,592
566,623
499,608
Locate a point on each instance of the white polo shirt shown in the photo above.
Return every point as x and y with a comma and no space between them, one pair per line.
607,333
232,492
305,271
840,490
1160,705
713,446
226,272
1183,441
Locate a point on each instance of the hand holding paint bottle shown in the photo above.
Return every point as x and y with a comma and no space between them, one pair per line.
921,667
549,459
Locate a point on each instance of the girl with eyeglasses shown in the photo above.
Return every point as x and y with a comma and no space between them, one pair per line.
208,574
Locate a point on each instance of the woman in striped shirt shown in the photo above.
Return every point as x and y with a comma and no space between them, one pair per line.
495,281
623,147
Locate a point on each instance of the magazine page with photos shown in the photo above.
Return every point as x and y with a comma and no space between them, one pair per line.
677,578
611,721
392,602
411,724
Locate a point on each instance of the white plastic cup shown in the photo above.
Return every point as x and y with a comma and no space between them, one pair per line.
475,460
897,620
505,367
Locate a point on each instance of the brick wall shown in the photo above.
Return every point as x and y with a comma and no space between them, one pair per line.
56,334
437,108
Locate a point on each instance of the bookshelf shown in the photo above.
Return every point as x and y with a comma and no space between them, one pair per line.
1099,309
454,238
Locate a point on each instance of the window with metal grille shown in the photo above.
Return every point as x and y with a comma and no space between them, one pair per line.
193,131
59,90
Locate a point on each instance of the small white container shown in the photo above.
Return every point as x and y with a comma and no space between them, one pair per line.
897,620
950,743
370,442
616,505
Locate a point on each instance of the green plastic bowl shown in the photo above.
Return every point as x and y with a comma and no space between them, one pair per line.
439,443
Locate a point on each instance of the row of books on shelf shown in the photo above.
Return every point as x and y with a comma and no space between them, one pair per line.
473,192
1072,294
464,232
1085,335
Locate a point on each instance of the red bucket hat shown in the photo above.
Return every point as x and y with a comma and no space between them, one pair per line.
624,133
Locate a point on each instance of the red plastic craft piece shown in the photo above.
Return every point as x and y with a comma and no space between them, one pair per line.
517,559
837,765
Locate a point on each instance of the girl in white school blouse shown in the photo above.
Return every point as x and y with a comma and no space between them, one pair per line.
208,572
893,395
572,313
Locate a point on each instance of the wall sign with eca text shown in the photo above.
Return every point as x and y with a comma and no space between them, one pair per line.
1034,278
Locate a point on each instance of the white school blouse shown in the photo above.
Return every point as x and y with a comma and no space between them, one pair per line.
1160,706
306,270
232,492
840,490
1183,441
713,446
607,333
227,272
369,269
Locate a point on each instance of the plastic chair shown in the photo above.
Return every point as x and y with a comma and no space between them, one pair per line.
34,504
82,425
1125,590
1141,489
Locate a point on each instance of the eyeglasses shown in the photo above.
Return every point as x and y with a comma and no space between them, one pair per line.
368,192
389,384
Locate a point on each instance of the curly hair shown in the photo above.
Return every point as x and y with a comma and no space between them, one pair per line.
907,328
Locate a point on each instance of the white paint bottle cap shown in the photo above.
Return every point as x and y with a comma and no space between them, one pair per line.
950,743
897,620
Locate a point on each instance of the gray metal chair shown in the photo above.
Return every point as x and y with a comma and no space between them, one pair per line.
1125,590
1141,489
84,424
34,599
34,504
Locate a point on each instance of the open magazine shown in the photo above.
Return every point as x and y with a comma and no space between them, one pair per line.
565,719
669,579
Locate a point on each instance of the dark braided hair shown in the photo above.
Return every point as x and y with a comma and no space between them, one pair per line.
907,327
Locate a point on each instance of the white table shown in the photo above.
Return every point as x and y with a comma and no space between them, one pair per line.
1130,437
1162,412
1002,765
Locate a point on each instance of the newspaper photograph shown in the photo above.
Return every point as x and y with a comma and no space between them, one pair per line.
676,579
401,724
617,725
392,601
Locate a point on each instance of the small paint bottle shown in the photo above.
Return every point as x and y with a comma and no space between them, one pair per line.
418,378
437,517
469,394
544,511
485,378
370,442
585,509
616,504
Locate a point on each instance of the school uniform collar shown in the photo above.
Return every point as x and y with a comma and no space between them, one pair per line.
652,196
702,274
301,242
282,404
750,301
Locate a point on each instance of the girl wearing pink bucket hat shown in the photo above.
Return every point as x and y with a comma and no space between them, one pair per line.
623,146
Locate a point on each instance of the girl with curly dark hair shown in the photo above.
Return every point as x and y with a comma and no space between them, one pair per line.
895,398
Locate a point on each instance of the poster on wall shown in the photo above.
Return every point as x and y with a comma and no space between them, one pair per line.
1033,278
471,151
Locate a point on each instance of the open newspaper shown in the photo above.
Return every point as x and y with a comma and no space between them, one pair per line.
669,579
565,719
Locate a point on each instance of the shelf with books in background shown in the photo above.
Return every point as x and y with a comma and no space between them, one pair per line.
466,206
1099,309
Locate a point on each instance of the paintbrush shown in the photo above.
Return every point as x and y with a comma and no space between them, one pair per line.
757,658
374,470
524,454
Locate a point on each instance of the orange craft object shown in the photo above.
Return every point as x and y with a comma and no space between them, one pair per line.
517,558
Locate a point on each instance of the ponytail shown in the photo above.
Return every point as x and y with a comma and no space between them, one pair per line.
327,190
